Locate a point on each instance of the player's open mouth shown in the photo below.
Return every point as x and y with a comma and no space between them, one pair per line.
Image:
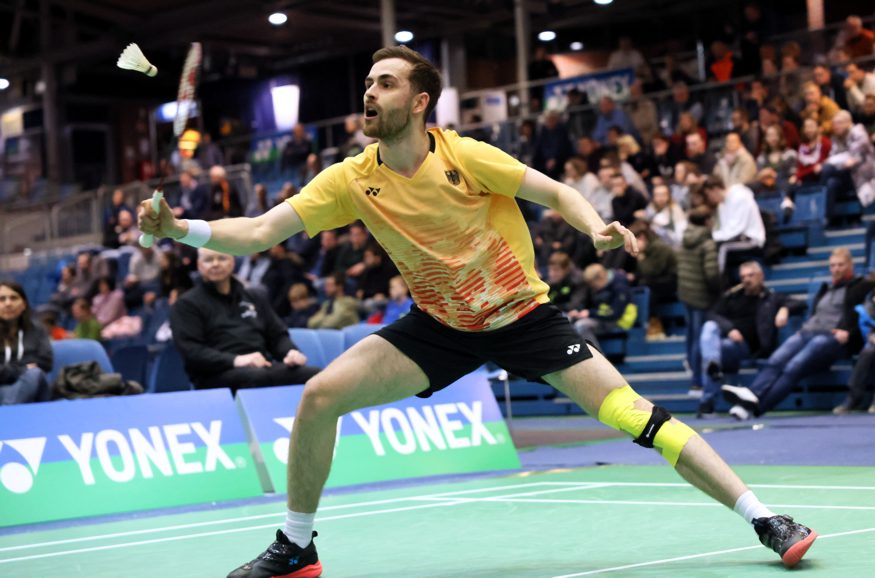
370,112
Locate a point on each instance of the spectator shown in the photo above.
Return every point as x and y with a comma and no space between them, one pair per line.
111,218
681,102
687,125
552,234
736,165
829,334
84,277
47,315
723,64
858,42
831,85
326,260
351,255
295,153
769,116
373,284
588,150
756,98
792,77
229,336
698,284
752,32
356,141
686,176
87,326
224,198
657,268
662,158
578,177
859,84
252,269
602,198
63,296
541,67
696,153
109,303
819,106
610,116
743,325
612,160
813,152
626,56
338,310
630,153
627,201
260,203
851,164
208,153
312,168
643,113
749,133
128,233
609,307
28,355
581,117
525,142
567,289
142,285
194,199
553,146
863,377
867,116
399,303
301,306
666,217
740,223
776,156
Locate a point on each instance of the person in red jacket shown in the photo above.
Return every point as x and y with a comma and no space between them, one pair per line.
813,151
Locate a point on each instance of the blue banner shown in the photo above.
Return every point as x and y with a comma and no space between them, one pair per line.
613,83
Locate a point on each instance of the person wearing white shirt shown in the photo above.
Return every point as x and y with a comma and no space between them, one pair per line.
739,224
625,56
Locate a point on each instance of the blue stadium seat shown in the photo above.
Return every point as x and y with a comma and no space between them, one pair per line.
355,333
308,343
331,341
810,206
132,362
168,372
71,351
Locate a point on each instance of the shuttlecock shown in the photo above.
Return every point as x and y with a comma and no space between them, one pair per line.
132,58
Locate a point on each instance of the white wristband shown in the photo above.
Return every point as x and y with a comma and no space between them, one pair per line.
199,233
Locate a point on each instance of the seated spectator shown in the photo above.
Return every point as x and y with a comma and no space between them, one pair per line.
63,296
776,156
859,84
143,282
194,199
740,225
85,277
627,201
608,308
252,269
625,56
356,141
612,160
326,259
552,146
643,113
312,168
578,177
662,158
601,198
666,217
857,41
630,152
657,268
814,149
524,150
567,289
260,203
866,117
742,325
301,305
686,126
830,333
338,310
229,336
736,165
399,303
851,163
819,106
47,315
749,132
686,176
770,116
126,230
28,355
552,234
224,200
792,76
681,102
109,303
110,218
351,255
373,283
696,153
831,85
281,274
698,284
588,149
87,326
862,381
724,65
610,115
208,153
294,156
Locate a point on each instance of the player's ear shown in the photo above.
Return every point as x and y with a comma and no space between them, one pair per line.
420,103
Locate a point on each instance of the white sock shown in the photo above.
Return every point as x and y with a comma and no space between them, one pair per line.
299,528
749,507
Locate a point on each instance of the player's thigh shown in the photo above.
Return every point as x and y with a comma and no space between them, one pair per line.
590,381
371,372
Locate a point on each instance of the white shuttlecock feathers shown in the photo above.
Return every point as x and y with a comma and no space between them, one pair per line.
132,58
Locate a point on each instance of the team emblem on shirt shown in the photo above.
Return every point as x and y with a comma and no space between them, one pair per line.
453,177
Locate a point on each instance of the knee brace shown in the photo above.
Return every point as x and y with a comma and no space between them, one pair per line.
650,429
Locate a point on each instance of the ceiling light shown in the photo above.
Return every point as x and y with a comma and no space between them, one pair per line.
547,36
277,18
403,36
603,2
576,46
4,83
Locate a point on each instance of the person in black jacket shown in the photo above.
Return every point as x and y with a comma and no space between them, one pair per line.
743,324
229,336
830,333
27,353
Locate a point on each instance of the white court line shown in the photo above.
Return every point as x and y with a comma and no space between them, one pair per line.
685,485
693,556
259,517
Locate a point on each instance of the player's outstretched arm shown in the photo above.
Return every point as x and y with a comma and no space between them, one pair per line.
577,211
238,236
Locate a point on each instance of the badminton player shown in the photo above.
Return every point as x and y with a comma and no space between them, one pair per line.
444,209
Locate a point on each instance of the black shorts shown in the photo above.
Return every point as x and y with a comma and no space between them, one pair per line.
542,342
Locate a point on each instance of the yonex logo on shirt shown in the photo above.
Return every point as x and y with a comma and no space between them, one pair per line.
573,348
453,177
372,191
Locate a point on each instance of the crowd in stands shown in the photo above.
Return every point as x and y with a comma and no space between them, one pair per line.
691,197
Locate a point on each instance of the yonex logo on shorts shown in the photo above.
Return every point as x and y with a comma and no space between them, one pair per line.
14,475
573,348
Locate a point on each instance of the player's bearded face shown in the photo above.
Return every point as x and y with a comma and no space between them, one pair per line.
389,122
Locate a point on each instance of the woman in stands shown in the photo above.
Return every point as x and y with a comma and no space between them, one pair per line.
26,351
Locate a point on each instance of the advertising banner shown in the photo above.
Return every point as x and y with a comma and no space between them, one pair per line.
613,83
457,430
69,459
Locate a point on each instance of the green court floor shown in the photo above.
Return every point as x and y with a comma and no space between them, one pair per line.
629,521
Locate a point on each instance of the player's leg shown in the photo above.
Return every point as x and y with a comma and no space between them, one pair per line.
598,387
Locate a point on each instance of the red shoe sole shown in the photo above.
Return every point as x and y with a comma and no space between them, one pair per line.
311,571
792,556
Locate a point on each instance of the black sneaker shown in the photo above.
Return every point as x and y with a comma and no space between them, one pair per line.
790,540
283,560
706,410
714,372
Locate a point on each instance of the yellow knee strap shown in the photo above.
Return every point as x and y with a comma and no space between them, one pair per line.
618,411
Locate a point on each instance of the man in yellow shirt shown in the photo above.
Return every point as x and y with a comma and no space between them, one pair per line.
443,207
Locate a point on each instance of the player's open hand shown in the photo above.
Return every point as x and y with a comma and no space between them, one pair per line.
162,224
613,236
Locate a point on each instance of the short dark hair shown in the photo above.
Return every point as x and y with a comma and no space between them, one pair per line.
424,76
711,183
